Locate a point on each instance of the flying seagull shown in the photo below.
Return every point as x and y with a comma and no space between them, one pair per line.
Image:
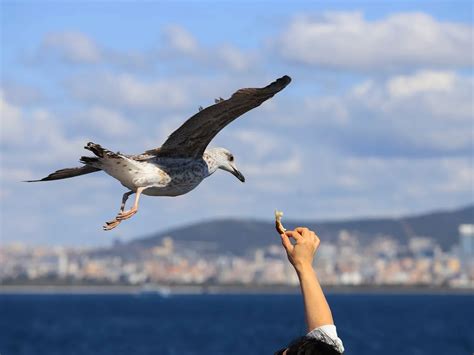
182,162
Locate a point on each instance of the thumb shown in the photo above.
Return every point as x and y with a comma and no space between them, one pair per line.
286,243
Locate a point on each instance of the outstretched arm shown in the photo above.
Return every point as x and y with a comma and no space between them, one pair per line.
301,254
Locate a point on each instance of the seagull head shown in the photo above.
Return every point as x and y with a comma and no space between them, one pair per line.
225,161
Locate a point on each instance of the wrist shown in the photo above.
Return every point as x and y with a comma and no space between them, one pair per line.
303,268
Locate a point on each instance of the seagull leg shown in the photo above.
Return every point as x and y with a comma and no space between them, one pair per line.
126,215
115,222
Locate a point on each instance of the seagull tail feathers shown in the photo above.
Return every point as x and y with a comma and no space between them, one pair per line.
67,173
90,165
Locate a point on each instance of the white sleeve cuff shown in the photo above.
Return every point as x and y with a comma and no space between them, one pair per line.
328,334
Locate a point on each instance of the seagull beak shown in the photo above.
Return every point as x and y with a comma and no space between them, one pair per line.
238,174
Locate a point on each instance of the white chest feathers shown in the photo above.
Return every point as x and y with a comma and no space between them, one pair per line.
162,177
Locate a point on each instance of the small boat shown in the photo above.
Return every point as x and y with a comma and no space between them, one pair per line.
155,290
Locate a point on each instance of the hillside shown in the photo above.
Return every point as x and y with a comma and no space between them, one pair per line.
237,236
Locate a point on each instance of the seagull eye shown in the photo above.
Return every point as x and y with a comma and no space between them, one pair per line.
231,158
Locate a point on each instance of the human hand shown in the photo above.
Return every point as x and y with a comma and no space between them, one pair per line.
301,253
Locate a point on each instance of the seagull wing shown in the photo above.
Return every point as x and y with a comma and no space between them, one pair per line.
191,139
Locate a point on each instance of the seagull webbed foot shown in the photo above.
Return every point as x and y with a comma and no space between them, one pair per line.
111,224
126,215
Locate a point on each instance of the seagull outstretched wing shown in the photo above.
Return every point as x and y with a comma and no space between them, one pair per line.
191,139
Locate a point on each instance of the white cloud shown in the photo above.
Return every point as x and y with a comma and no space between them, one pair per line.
260,143
347,40
178,47
108,122
286,167
36,136
21,94
163,129
12,128
332,184
180,44
421,82
428,113
15,174
49,141
129,91
181,94
234,58
328,106
179,39
268,160
74,47
77,48
130,59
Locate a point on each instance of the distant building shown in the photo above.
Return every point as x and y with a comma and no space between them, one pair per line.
421,246
166,248
62,264
466,246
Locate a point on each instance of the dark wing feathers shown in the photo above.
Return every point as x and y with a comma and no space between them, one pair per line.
192,138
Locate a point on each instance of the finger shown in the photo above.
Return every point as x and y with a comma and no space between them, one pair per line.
303,231
315,236
286,243
294,234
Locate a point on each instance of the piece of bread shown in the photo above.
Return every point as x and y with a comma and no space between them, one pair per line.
279,227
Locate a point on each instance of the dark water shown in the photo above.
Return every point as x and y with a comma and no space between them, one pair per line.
222,324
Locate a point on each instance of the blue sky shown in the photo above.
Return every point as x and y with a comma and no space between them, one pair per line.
377,121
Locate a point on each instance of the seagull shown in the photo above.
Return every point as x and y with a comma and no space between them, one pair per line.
182,162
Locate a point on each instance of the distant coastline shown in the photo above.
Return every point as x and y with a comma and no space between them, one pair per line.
221,289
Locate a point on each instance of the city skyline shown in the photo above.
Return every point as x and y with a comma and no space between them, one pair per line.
383,262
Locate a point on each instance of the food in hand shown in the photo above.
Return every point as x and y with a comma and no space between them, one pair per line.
279,227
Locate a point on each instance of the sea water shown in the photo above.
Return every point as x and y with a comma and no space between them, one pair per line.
229,324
